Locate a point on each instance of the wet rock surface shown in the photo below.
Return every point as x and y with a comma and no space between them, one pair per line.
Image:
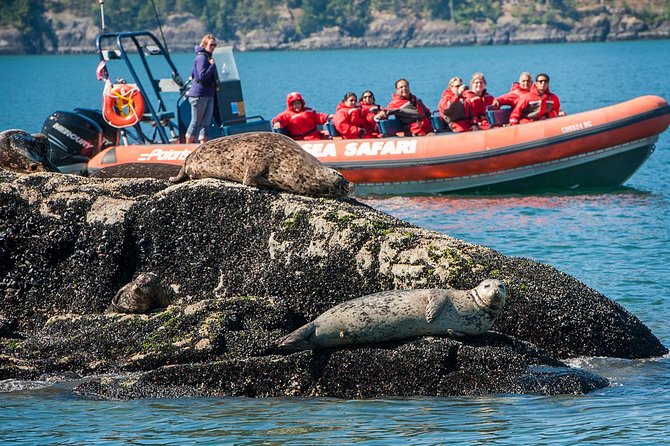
251,265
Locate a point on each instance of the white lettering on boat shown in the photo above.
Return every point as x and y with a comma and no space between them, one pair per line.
577,126
381,148
164,155
79,140
320,150
364,148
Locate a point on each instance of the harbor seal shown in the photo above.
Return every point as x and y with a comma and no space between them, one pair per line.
142,295
401,314
24,153
264,159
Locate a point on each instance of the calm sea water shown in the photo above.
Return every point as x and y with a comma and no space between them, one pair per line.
616,241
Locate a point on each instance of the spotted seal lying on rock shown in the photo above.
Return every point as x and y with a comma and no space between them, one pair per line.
264,159
142,295
401,314
24,153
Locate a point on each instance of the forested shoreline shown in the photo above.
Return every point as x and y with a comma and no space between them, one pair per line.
63,26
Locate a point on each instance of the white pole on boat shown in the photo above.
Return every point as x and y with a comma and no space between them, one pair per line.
102,14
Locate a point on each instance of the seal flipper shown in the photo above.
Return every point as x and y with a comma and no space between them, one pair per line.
257,173
181,176
434,307
298,339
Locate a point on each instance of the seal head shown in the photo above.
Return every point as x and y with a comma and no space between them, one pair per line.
142,295
25,153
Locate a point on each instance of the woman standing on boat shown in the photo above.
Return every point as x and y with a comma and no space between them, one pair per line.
204,81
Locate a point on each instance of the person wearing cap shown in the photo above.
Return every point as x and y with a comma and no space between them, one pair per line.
298,121
204,81
538,104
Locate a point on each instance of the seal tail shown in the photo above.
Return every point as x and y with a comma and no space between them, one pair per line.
181,176
298,339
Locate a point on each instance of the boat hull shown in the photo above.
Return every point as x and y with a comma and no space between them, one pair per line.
599,148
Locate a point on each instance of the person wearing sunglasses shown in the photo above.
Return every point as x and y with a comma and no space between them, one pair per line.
452,108
517,90
368,103
352,120
204,81
538,104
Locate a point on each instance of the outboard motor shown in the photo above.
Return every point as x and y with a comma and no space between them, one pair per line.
110,135
73,140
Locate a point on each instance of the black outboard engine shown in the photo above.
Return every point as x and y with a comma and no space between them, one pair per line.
73,140
110,135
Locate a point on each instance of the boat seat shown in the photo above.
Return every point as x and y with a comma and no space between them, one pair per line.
439,126
332,130
163,116
260,125
498,116
390,127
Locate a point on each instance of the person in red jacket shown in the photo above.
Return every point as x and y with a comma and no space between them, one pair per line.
476,100
368,103
299,121
452,108
408,109
538,104
517,90
353,121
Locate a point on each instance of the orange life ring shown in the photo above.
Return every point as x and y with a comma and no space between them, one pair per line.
122,105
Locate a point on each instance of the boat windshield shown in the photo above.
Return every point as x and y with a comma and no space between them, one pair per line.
226,61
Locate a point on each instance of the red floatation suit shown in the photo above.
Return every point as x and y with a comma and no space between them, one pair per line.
453,111
412,112
476,105
302,124
354,122
512,96
534,106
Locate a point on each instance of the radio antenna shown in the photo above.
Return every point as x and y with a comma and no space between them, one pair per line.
159,25
102,14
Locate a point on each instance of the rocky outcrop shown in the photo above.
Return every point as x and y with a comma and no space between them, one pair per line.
249,266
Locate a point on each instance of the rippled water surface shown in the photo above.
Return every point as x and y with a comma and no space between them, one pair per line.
616,241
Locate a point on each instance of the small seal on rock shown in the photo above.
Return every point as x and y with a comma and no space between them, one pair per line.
401,314
24,153
264,159
142,295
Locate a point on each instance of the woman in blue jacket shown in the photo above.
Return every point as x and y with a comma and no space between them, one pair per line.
203,88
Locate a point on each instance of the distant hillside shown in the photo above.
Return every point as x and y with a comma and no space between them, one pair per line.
57,26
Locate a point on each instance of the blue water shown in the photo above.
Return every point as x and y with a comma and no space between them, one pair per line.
616,241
